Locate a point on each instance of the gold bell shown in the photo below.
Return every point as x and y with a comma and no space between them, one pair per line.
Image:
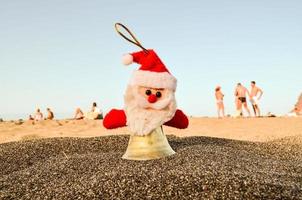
152,146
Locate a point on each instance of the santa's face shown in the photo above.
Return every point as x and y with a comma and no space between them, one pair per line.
148,108
153,98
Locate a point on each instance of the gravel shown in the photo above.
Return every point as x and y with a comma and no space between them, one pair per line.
203,168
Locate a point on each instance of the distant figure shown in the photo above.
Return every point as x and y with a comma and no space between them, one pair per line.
269,114
38,115
95,108
30,117
255,91
95,112
298,105
50,114
297,111
240,94
219,101
78,114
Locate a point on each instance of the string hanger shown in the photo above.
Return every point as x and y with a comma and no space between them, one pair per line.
133,40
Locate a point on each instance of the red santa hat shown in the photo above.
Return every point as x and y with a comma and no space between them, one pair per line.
152,72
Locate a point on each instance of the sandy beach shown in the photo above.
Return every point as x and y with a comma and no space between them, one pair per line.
247,129
255,158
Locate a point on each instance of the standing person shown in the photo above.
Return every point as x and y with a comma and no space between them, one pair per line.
219,101
255,98
38,115
240,94
50,114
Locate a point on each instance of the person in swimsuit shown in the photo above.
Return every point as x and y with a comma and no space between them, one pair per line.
254,98
219,101
240,94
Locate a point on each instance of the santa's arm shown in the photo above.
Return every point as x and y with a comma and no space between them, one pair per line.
180,120
115,119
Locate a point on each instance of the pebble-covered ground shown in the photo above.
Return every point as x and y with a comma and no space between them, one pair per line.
203,168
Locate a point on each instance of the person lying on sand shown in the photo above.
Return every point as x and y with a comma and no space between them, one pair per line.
79,114
50,114
38,115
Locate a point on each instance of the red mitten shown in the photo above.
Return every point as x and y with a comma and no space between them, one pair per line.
180,120
115,119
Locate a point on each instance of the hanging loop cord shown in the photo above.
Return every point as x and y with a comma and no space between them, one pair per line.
135,42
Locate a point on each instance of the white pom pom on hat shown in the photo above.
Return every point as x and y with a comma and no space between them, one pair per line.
127,59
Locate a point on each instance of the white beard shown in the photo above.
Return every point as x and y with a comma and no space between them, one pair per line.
143,117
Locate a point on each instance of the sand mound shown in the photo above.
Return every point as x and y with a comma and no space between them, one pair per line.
87,168
247,129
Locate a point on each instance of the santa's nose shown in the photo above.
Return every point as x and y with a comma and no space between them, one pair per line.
152,98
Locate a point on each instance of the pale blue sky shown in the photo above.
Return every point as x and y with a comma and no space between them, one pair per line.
66,54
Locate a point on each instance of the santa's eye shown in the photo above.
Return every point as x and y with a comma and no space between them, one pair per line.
148,92
158,94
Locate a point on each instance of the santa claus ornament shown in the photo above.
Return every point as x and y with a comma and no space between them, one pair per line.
149,104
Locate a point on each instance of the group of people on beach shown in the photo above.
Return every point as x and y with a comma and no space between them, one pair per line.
38,116
241,94
94,113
